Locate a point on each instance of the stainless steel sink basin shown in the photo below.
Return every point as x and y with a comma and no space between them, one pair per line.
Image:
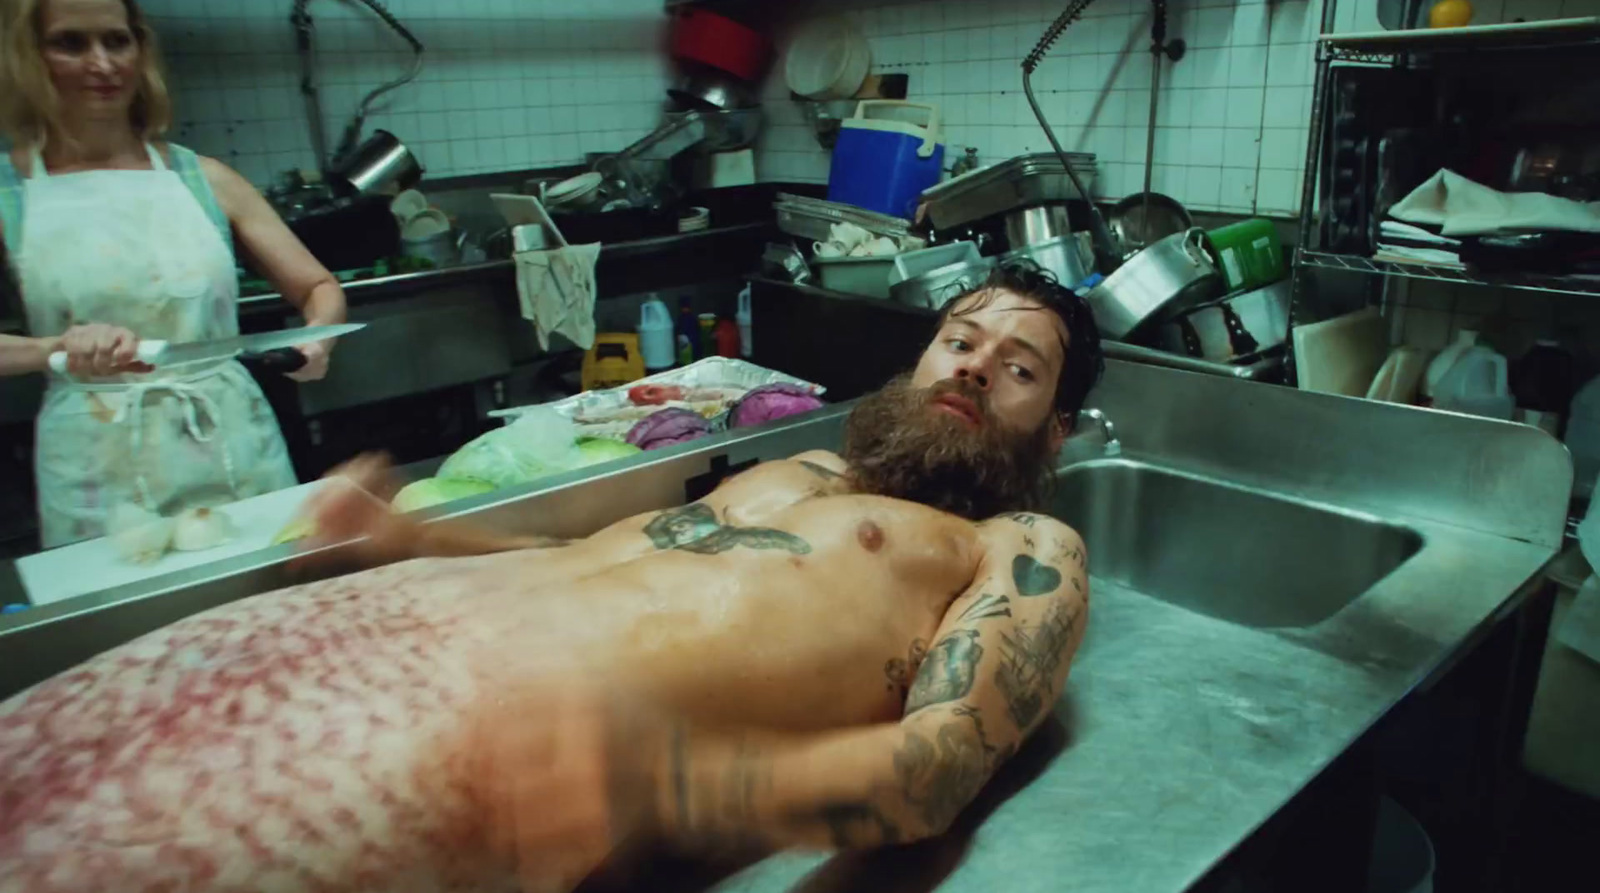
1227,551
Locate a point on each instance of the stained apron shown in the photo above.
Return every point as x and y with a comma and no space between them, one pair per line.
137,249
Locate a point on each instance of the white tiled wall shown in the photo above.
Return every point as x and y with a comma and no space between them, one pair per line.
506,84
521,83
1231,117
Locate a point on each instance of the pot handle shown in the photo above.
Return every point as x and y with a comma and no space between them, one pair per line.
1194,245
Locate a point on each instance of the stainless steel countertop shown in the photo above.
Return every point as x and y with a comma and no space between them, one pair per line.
1181,734
1178,734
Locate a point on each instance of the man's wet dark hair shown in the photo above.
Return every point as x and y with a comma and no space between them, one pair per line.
1084,361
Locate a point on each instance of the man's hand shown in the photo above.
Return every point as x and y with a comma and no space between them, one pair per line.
352,508
353,504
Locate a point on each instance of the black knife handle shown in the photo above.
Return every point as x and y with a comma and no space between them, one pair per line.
283,361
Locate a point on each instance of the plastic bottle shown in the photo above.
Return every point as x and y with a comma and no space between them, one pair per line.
743,319
708,334
656,343
1441,364
727,338
1477,383
688,333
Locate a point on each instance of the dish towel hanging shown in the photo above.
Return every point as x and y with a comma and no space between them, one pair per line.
556,288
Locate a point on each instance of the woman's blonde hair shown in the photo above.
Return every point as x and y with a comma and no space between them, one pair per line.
30,110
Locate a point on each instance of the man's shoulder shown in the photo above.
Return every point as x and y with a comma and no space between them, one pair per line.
1037,523
1033,533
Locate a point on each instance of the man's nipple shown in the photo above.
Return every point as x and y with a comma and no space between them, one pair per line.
870,536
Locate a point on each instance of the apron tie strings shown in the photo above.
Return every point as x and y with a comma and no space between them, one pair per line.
193,402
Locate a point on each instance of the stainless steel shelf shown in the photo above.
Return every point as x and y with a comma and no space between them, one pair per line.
1563,285
1387,46
1363,56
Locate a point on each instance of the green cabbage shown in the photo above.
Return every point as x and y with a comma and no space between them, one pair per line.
437,491
595,450
538,444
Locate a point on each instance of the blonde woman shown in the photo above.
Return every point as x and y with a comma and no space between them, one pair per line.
115,236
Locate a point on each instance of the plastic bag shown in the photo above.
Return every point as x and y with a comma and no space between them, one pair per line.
542,442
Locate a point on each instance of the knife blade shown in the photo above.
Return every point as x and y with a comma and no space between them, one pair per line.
162,353
226,348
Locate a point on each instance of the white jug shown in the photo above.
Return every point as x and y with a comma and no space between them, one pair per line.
655,335
1477,384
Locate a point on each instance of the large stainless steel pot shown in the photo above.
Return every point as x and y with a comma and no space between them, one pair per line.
1170,275
380,164
935,288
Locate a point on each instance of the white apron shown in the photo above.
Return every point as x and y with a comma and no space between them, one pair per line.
136,249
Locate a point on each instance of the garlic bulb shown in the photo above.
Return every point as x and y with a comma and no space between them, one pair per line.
201,528
139,535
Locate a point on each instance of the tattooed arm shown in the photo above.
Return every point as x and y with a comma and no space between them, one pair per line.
997,664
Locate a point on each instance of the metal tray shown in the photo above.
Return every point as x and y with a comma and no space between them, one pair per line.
1023,182
811,218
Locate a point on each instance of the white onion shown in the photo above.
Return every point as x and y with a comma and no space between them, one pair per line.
139,535
201,528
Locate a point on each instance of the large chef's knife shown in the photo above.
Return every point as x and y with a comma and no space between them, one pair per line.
266,346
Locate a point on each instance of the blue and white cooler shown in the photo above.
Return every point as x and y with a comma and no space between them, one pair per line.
886,156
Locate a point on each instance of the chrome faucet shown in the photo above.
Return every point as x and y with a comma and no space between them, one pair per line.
1108,430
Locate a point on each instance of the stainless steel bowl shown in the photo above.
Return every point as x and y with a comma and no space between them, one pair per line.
1146,218
1062,257
1036,225
935,288
706,92
728,129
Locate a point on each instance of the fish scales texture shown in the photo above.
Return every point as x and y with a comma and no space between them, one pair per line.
278,743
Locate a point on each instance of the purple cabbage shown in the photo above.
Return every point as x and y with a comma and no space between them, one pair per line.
667,427
773,401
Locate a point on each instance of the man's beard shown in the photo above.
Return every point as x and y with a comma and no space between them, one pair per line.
899,444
